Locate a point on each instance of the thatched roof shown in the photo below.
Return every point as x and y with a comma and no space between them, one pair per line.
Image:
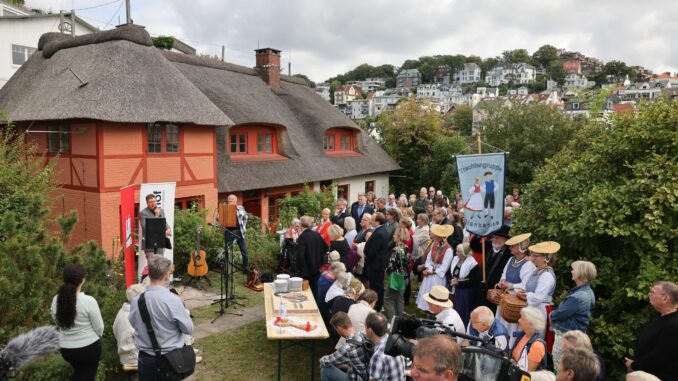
127,80
296,109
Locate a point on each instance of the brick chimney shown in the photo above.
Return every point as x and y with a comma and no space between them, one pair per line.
268,64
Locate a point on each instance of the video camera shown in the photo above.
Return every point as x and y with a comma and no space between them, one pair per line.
485,362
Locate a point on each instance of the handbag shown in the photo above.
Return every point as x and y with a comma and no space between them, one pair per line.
168,243
396,279
174,365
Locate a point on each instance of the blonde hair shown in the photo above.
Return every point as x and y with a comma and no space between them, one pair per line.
578,339
134,290
542,375
335,231
584,270
402,234
534,318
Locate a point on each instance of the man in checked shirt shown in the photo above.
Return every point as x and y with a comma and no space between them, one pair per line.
349,361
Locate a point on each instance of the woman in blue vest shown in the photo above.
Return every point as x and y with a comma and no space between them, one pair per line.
574,312
541,284
529,351
516,272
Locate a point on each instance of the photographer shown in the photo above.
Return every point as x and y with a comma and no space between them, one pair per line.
436,358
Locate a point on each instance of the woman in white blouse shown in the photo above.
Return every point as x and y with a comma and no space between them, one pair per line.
437,262
80,324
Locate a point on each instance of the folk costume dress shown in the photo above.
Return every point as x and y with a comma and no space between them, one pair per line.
475,201
516,274
540,287
438,262
467,272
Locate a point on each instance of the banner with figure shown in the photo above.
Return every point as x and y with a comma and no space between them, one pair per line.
164,195
481,179
126,231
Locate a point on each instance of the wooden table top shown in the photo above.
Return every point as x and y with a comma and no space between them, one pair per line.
289,333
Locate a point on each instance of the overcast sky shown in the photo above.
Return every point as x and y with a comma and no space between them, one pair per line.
322,38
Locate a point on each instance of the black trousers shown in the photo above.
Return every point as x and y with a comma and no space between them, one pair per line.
84,361
376,279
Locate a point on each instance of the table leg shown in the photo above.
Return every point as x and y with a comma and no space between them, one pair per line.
312,360
279,358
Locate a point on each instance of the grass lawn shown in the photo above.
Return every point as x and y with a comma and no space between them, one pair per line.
246,354
208,312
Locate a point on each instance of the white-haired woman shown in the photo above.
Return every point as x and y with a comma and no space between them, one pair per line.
574,312
529,351
123,331
349,227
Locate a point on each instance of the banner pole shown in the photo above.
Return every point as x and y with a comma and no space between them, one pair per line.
480,150
482,242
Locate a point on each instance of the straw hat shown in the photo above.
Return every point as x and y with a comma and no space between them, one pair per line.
546,247
439,296
442,231
520,238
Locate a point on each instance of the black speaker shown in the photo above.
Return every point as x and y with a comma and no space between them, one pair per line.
155,233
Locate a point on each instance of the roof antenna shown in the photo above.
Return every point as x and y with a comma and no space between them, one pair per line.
82,84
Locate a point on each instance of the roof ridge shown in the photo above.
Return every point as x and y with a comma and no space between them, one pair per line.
51,43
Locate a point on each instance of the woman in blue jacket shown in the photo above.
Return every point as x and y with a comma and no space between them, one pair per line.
574,312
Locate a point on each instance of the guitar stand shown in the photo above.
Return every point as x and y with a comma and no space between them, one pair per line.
227,284
197,280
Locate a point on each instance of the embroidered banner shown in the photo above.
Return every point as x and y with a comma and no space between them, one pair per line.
481,179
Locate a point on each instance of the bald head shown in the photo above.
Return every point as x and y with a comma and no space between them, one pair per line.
482,318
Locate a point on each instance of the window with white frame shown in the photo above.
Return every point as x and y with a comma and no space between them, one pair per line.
20,54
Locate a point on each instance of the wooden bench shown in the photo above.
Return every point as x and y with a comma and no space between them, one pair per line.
130,370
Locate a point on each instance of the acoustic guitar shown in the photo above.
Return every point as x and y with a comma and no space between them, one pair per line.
197,266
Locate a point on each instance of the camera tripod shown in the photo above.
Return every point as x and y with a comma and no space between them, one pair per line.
227,281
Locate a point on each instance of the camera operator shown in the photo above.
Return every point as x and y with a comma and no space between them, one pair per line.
382,366
436,358
439,303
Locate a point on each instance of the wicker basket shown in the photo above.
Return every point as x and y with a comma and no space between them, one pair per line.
510,307
494,295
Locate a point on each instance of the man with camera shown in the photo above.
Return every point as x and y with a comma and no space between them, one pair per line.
382,366
350,361
436,358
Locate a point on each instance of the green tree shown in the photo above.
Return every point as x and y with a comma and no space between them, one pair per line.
310,83
610,197
461,120
616,68
516,55
545,55
556,71
442,169
531,133
408,133
306,203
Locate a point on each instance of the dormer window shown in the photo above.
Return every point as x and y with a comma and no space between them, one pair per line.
340,142
253,143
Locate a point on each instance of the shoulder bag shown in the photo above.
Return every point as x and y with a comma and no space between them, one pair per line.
174,365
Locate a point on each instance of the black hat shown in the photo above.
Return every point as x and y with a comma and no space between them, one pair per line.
503,231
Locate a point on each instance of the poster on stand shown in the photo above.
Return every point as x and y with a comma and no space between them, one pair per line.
164,194
482,179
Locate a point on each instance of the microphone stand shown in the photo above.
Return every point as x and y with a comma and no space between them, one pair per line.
227,284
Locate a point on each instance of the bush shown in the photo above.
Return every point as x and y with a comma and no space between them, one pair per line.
186,223
306,203
610,197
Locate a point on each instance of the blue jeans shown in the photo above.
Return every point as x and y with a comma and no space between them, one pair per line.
237,237
330,373
147,367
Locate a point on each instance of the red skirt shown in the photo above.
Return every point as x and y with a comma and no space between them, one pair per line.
550,336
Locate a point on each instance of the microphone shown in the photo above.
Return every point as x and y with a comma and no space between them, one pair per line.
26,348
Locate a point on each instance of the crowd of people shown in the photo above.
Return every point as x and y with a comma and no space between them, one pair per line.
362,262
376,248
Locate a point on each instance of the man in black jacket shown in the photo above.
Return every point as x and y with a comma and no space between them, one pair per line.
311,249
496,256
656,347
340,213
376,258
